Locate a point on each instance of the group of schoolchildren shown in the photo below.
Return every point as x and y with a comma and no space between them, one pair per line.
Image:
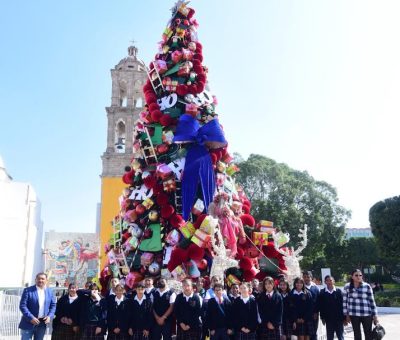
267,310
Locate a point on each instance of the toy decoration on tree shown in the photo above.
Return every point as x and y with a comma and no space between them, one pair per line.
182,214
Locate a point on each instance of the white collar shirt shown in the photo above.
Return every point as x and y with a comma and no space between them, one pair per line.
41,300
245,299
140,301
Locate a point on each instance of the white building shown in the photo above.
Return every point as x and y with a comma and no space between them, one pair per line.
21,232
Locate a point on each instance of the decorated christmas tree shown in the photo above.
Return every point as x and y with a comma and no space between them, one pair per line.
182,214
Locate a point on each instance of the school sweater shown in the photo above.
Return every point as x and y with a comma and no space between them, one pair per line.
188,311
302,305
270,309
161,302
140,315
245,314
117,314
219,315
330,305
65,309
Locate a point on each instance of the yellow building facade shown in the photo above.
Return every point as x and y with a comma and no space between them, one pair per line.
128,78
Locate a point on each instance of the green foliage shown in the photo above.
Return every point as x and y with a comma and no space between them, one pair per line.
292,198
388,298
384,217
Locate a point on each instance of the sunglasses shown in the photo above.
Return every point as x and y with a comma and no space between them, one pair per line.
358,275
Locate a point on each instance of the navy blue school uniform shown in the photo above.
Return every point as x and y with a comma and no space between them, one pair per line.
270,309
148,292
117,317
302,307
188,310
287,316
330,305
314,290
245,314
90,315
140,316
162,300
66,307
219,318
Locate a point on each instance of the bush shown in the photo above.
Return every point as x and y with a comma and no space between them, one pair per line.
388,299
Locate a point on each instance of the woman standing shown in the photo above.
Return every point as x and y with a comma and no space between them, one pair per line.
287,317
359,305
140,315
91,316
270,308
117,315
302,304
64,325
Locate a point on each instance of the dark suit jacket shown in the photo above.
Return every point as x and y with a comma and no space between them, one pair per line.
29,306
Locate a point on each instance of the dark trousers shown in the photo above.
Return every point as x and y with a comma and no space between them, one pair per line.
314,336
220,334
366,322
163,331
333,327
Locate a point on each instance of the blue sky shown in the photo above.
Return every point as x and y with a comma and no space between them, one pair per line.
314,84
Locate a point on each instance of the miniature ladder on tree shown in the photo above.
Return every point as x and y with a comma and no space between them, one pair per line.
155,79
120,258
148,152
178,197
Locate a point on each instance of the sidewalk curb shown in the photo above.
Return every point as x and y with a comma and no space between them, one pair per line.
388,310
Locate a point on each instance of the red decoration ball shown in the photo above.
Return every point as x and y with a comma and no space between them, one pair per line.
248,220
195,252
167,211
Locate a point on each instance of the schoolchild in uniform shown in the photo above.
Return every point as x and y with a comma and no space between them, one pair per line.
149,287
64,325
219,315
245,314
163,307
330,305
91,313
140,316
234,292
117,314
270,309
314,290
287,315
302,304
188,313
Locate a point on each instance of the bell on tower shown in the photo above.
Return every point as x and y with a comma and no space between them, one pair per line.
128,78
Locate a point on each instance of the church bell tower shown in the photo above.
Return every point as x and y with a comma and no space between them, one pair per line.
128,78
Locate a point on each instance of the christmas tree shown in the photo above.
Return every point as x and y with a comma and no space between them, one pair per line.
182,214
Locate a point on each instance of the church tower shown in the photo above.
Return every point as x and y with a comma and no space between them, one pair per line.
128,78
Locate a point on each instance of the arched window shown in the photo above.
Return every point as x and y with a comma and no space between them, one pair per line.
120,137
139,102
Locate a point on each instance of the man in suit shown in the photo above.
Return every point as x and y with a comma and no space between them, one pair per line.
37,305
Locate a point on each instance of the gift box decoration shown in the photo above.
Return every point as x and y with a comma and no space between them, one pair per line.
187,230
192,269
148,203
231,169
281,238
168,137
198,207
132,243
164,171
200,238
191,109
169,185
161,66
179,273
208,225
169,84
167,34
185,68
232,279
260,239
154,242
266,227
180,32
146,259
173,237
176,56
268,265
167,255
220,179
187,54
